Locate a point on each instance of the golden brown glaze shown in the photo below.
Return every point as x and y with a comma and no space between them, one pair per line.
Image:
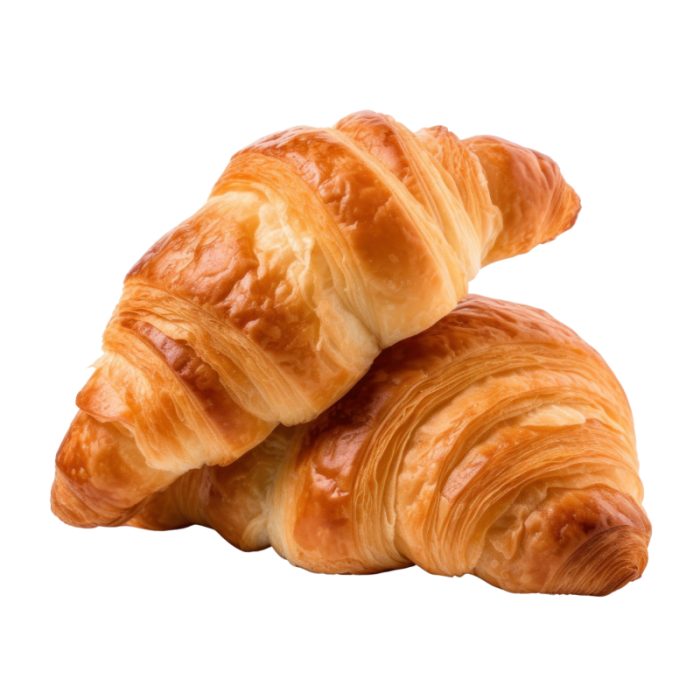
316,249
495,443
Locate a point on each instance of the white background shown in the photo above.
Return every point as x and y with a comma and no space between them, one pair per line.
117,118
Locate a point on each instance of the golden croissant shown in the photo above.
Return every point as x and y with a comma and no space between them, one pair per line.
316,249
495,443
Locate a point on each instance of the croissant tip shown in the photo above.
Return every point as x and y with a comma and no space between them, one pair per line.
604,563
65,504
574,208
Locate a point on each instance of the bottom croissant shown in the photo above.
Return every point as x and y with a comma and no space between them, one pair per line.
496,443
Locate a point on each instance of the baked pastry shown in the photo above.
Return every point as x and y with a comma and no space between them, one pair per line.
496,443
316,249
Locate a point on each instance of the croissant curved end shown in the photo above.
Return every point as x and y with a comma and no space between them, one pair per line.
535,200
67,505
588,541
610,533
97,450
605,562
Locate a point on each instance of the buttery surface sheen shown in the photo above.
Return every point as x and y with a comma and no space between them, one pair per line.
495,443
316,249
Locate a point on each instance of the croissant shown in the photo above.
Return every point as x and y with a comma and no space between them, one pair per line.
496,443
316,249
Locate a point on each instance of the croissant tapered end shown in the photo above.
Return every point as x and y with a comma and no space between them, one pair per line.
67,505
536,202
93,465
588,541
605,562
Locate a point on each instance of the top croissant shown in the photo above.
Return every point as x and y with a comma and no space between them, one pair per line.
316,249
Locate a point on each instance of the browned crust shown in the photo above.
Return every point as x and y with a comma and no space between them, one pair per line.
199,378
496,443
317,248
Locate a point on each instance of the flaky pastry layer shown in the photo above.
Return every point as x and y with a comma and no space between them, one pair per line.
496,443
316,249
